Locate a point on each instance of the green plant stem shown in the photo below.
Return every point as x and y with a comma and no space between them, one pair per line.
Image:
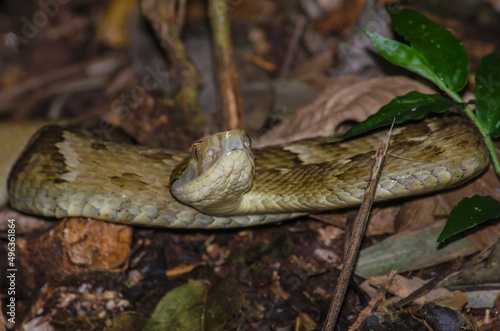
486,136
487,139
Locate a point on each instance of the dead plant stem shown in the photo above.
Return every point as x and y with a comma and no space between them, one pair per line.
230,95
356,238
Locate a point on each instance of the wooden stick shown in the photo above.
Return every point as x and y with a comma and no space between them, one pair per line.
356,238
230,96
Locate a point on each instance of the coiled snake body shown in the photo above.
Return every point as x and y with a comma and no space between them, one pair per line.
224,183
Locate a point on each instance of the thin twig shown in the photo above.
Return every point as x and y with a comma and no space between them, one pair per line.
230,96
382,291
375,302
356,238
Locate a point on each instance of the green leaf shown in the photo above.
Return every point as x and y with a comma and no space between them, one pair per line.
403,55
179,309
446,56
411,106
468,213
487,93
194,307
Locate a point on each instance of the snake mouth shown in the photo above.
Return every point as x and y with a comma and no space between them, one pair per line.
236,139
220,170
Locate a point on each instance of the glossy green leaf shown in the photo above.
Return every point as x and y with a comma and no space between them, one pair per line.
468,213
402,55
179,309
411,106
487,93
445,55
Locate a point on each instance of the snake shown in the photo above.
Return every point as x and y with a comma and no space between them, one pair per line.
224,182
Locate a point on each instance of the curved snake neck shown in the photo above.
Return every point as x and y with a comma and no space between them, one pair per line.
61,174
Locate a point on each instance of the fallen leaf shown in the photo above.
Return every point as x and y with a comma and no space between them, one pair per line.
348,98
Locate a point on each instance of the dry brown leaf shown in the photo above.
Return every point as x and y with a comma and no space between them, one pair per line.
348,98
402,287
457,301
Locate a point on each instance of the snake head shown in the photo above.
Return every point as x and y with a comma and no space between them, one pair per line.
216,175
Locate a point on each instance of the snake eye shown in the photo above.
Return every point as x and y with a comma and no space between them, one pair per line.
197,153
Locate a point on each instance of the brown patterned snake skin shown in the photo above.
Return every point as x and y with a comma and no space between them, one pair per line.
221,184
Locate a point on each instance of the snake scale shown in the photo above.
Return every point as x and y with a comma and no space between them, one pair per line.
224,183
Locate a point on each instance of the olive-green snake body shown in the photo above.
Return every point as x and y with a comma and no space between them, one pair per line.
224,183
